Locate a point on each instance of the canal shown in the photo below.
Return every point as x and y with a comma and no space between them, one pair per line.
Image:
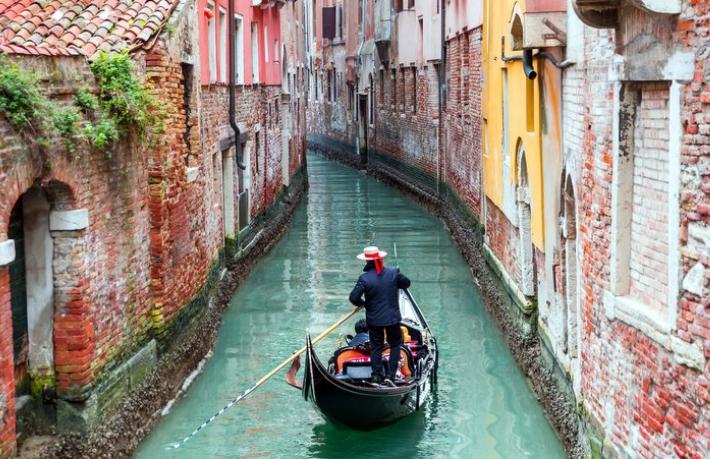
483,407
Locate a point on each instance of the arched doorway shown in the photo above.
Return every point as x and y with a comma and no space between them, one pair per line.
527,265
49,311
569,258
32,304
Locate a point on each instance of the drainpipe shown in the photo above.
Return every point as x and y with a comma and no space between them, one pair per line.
442,101
232,85
528,64
358,64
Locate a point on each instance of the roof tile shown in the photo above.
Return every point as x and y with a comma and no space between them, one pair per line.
79,27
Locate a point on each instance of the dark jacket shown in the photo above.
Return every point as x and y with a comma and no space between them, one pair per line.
360,338
381,295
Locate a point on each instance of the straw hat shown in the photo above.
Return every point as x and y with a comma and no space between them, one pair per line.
372,253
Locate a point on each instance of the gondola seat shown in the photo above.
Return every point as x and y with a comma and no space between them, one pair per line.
355,362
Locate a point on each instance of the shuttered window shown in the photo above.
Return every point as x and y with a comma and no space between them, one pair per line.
329,22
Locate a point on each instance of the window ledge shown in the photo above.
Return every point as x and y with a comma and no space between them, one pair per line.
655,324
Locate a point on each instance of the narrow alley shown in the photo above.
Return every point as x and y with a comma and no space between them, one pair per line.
186,184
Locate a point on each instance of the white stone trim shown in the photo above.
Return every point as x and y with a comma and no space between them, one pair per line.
675,137
7,252
69,220
655,325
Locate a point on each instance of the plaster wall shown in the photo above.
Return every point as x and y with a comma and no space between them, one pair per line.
269,70
522,129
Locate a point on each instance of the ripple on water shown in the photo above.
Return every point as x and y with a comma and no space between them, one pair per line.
483,407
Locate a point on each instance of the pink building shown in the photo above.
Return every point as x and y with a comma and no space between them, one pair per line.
258,41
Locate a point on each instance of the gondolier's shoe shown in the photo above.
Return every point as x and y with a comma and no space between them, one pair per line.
376,379
388,382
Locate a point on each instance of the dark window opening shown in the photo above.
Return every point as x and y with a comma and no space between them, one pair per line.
187,82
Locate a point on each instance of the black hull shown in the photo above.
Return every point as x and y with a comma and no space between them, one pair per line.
365,407
357,407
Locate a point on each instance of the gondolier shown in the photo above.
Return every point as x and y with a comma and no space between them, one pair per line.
380,286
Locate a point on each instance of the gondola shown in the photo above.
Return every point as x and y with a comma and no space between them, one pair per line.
342,391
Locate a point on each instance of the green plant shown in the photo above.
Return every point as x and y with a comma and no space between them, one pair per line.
102,133
86,100
123,104
21,101
124,97
66,122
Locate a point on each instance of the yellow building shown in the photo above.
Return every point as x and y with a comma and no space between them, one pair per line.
514,163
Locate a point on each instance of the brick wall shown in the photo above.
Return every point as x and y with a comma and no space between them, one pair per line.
649,214
641,394
502,238
155,233
463,123
101,274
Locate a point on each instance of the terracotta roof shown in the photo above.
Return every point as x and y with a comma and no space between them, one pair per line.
79,27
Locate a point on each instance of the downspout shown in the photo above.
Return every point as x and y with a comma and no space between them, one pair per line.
232,85
358,63
442,102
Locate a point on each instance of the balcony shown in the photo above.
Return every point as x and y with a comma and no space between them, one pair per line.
604,14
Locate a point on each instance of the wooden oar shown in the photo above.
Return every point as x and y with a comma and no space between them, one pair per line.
267,376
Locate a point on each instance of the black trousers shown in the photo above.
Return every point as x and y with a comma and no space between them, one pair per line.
377,341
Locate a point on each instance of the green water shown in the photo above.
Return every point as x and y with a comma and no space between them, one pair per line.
483,407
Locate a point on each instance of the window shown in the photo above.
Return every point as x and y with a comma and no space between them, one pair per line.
351,98
329,76
266,44
188,80
404,90
340,22
338,80
254,52
223,44
257,149
414,90
212,46
329,26
394,89
645,249
371,100
239,49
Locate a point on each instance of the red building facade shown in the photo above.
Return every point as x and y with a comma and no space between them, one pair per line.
107,256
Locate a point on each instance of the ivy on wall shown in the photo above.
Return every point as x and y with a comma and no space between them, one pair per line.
122,105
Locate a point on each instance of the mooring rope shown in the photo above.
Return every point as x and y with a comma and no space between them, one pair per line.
265,378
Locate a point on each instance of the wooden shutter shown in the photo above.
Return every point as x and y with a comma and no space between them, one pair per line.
329,22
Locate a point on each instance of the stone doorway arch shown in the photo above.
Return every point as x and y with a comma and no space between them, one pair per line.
568,229
43,259
526,261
